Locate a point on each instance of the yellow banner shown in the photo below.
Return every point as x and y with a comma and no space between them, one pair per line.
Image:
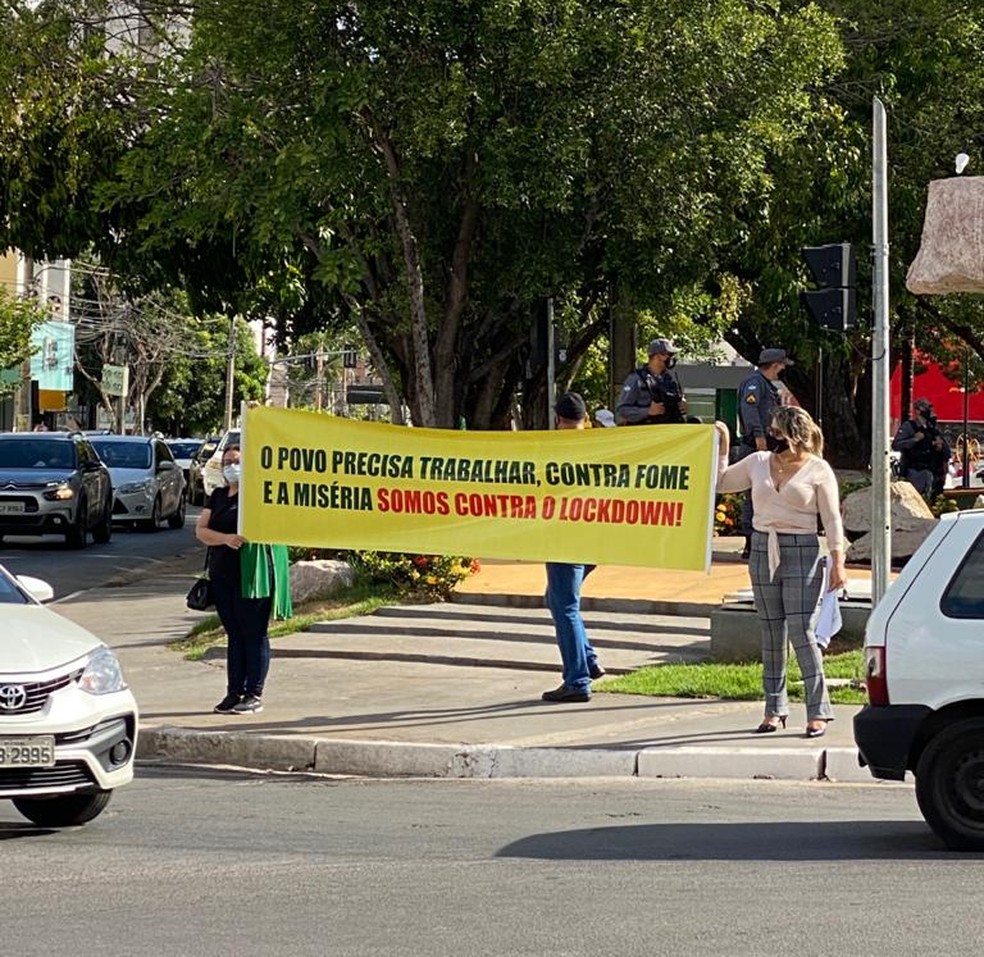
626,496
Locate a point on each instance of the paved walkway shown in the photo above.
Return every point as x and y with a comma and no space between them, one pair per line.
454,689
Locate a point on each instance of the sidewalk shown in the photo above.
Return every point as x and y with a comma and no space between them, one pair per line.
454,690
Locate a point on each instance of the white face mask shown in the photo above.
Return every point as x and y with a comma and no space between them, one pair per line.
232,471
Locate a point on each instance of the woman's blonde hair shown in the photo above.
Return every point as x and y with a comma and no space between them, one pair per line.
797,426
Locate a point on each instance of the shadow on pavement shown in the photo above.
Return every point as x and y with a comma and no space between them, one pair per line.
771,841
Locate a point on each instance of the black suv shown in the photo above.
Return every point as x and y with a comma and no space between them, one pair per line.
54,483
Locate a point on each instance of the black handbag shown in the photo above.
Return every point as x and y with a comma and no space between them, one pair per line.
200,596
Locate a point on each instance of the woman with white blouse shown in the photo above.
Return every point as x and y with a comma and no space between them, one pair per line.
790,486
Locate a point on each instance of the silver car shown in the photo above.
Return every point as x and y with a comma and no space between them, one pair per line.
52,483
148,485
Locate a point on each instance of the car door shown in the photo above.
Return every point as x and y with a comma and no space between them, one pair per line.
935,637
169,477
92,478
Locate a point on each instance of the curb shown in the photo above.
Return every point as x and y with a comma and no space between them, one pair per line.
397,759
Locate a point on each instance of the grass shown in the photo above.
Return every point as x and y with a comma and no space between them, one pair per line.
736,682
358,599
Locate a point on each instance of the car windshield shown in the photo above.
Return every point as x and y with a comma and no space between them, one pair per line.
124,455
10,594
184,450
37,454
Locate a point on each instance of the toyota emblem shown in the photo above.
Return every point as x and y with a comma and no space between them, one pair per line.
12,697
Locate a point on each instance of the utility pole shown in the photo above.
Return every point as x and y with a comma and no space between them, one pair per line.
881,525
551,364
319,385
230,373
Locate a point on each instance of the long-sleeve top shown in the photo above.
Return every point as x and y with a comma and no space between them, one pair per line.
792,508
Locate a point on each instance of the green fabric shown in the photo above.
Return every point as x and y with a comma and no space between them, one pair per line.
255,567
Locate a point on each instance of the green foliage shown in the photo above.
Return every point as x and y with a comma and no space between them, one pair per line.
18,318
941,505
847,487
425,577
191,399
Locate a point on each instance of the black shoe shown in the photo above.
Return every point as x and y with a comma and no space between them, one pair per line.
563,693
227,704
249,705
596,671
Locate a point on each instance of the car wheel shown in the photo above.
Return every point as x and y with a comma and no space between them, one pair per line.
950,785
64,811
104,530
154,522
76,536
177,518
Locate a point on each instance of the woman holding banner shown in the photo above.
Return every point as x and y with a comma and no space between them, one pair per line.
248,583
790,486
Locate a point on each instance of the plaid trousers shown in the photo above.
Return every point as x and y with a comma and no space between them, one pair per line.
787,607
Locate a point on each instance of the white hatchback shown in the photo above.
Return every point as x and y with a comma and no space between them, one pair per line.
924,649
68,722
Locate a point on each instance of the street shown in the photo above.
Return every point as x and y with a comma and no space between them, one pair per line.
211,862
70,570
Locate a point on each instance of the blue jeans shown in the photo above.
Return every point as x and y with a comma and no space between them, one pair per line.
245,621
564,601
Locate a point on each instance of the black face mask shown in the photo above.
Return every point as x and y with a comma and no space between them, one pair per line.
782,445
671,362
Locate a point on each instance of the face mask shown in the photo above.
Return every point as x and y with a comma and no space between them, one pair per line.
232,471
671,362
782,445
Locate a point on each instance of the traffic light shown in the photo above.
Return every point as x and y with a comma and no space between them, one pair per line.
348,357
834,269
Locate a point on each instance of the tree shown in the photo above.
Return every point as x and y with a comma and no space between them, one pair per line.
177,362
18,319
445,165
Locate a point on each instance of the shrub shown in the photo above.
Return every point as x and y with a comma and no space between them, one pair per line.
941,505
727,514
428,577
848,487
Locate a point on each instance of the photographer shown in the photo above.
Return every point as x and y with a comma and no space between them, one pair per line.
651,395
925,452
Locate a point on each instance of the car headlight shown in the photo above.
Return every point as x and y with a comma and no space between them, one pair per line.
59,493
128,488
102,675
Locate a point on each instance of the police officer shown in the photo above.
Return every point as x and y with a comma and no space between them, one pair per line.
758,397
651,395
925,452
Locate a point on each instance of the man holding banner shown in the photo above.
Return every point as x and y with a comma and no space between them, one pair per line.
564,595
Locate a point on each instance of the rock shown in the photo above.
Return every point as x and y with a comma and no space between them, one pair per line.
907,508
904,543
319,579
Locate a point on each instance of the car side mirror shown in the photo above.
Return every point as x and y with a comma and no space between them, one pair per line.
36,587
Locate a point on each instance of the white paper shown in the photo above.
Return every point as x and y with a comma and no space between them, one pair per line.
829,619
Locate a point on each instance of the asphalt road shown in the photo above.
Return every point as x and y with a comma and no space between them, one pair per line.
67,570
205,862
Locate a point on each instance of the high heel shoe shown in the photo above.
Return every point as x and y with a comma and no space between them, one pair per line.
767,727
816,732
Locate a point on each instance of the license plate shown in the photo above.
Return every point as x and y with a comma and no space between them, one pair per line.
34,752
11,508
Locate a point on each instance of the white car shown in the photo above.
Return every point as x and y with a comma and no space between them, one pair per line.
68,722
924,650
212,469
148,485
